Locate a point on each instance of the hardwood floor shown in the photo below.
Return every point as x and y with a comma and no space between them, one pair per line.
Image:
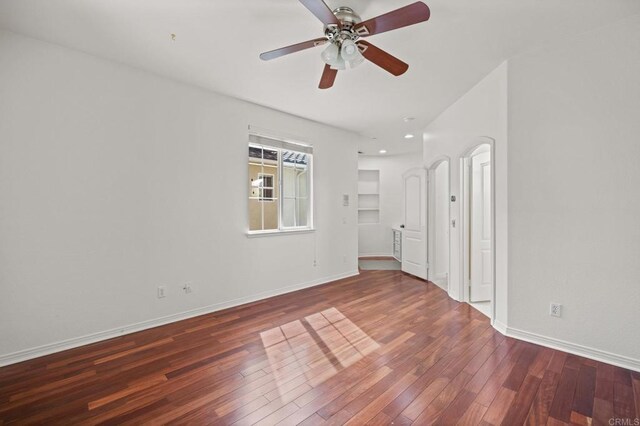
380,348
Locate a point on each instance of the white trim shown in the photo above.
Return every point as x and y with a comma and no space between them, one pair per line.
411,170
75,342
464,225
361,255
274,232
572,348
278,135
442,283
502,328
431,226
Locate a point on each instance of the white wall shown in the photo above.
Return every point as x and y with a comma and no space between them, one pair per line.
479,114
377,239
574,186
114,181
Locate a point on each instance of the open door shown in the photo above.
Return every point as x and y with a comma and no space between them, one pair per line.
481,258
414,234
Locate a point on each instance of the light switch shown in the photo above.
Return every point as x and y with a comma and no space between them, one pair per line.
345,200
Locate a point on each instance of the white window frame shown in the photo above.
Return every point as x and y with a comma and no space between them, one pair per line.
261,188
257,141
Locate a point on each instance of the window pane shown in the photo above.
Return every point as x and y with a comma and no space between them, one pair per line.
288,181
295,187
302,212
263,191
303,183
288,212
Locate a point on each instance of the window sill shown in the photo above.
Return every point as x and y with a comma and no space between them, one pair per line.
258,234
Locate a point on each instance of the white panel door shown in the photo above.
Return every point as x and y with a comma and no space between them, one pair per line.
481,232
414,234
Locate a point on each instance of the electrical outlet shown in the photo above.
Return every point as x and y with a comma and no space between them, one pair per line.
187,288
161,293
555,310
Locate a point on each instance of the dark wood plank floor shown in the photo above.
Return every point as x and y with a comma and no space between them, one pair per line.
380,348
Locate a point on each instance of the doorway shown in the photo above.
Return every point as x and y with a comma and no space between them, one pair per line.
439,220
378,263
478,239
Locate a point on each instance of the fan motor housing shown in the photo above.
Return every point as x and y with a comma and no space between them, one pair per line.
348,20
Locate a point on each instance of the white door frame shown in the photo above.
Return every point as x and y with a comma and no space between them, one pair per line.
431,217
464,219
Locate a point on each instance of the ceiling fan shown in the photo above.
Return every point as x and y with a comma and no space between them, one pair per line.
343,29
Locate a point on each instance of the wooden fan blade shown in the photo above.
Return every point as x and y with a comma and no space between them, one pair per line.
328,77
272,54
382,59
321,10
403,17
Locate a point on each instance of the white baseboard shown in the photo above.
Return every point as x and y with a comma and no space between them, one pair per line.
374,255
75,342
572,348
442,283
502,328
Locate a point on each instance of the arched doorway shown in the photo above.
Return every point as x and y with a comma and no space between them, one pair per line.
478,226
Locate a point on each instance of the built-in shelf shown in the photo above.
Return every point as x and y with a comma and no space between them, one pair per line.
368,197
368,216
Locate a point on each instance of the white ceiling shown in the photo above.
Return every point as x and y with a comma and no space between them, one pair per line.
218,42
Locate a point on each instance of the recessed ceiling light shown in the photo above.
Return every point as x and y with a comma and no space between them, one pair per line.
408,136
383,151
408,119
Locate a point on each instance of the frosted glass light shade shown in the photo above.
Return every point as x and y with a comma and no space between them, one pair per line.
349,50
339,64
330,54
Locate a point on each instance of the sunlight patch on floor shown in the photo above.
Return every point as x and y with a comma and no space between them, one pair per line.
308,351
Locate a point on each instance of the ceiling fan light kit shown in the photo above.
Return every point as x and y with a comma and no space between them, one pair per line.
330,54
343,29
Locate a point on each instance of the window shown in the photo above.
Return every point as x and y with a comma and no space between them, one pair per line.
279,185
264,183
